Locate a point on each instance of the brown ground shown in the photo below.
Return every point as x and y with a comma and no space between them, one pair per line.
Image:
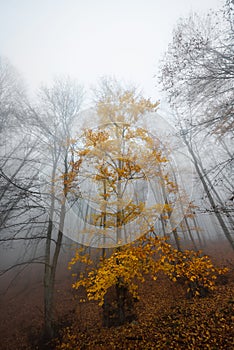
165,318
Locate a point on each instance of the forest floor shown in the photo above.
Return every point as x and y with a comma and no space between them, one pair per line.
165,317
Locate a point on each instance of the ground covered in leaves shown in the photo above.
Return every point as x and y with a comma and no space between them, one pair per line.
165,317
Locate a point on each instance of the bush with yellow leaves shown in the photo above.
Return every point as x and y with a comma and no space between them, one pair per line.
149,255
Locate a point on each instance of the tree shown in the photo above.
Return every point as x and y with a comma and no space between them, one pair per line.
130,193
205,183
34,159
56,117
197,71
197,76
12,92
20,202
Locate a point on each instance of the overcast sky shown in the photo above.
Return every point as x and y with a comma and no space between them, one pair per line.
90,38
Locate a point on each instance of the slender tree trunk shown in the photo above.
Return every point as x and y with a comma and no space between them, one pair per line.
48,295
190,233
47,285
177,239
197,231
51,266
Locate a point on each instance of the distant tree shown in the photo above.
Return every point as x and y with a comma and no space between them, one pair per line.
211,193
20,203
12,92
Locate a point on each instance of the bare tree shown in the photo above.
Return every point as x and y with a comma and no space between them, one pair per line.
21,210
17,155
197,75
208,191
55,119
198,70
12,91
33,165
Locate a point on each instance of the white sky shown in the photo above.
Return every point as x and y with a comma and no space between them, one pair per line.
90,38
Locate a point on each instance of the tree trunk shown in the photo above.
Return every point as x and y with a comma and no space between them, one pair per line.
121,296
210,198
51,266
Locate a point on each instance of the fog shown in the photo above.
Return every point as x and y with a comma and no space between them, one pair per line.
116,123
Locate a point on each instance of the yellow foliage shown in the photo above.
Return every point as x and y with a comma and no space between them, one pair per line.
148,256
